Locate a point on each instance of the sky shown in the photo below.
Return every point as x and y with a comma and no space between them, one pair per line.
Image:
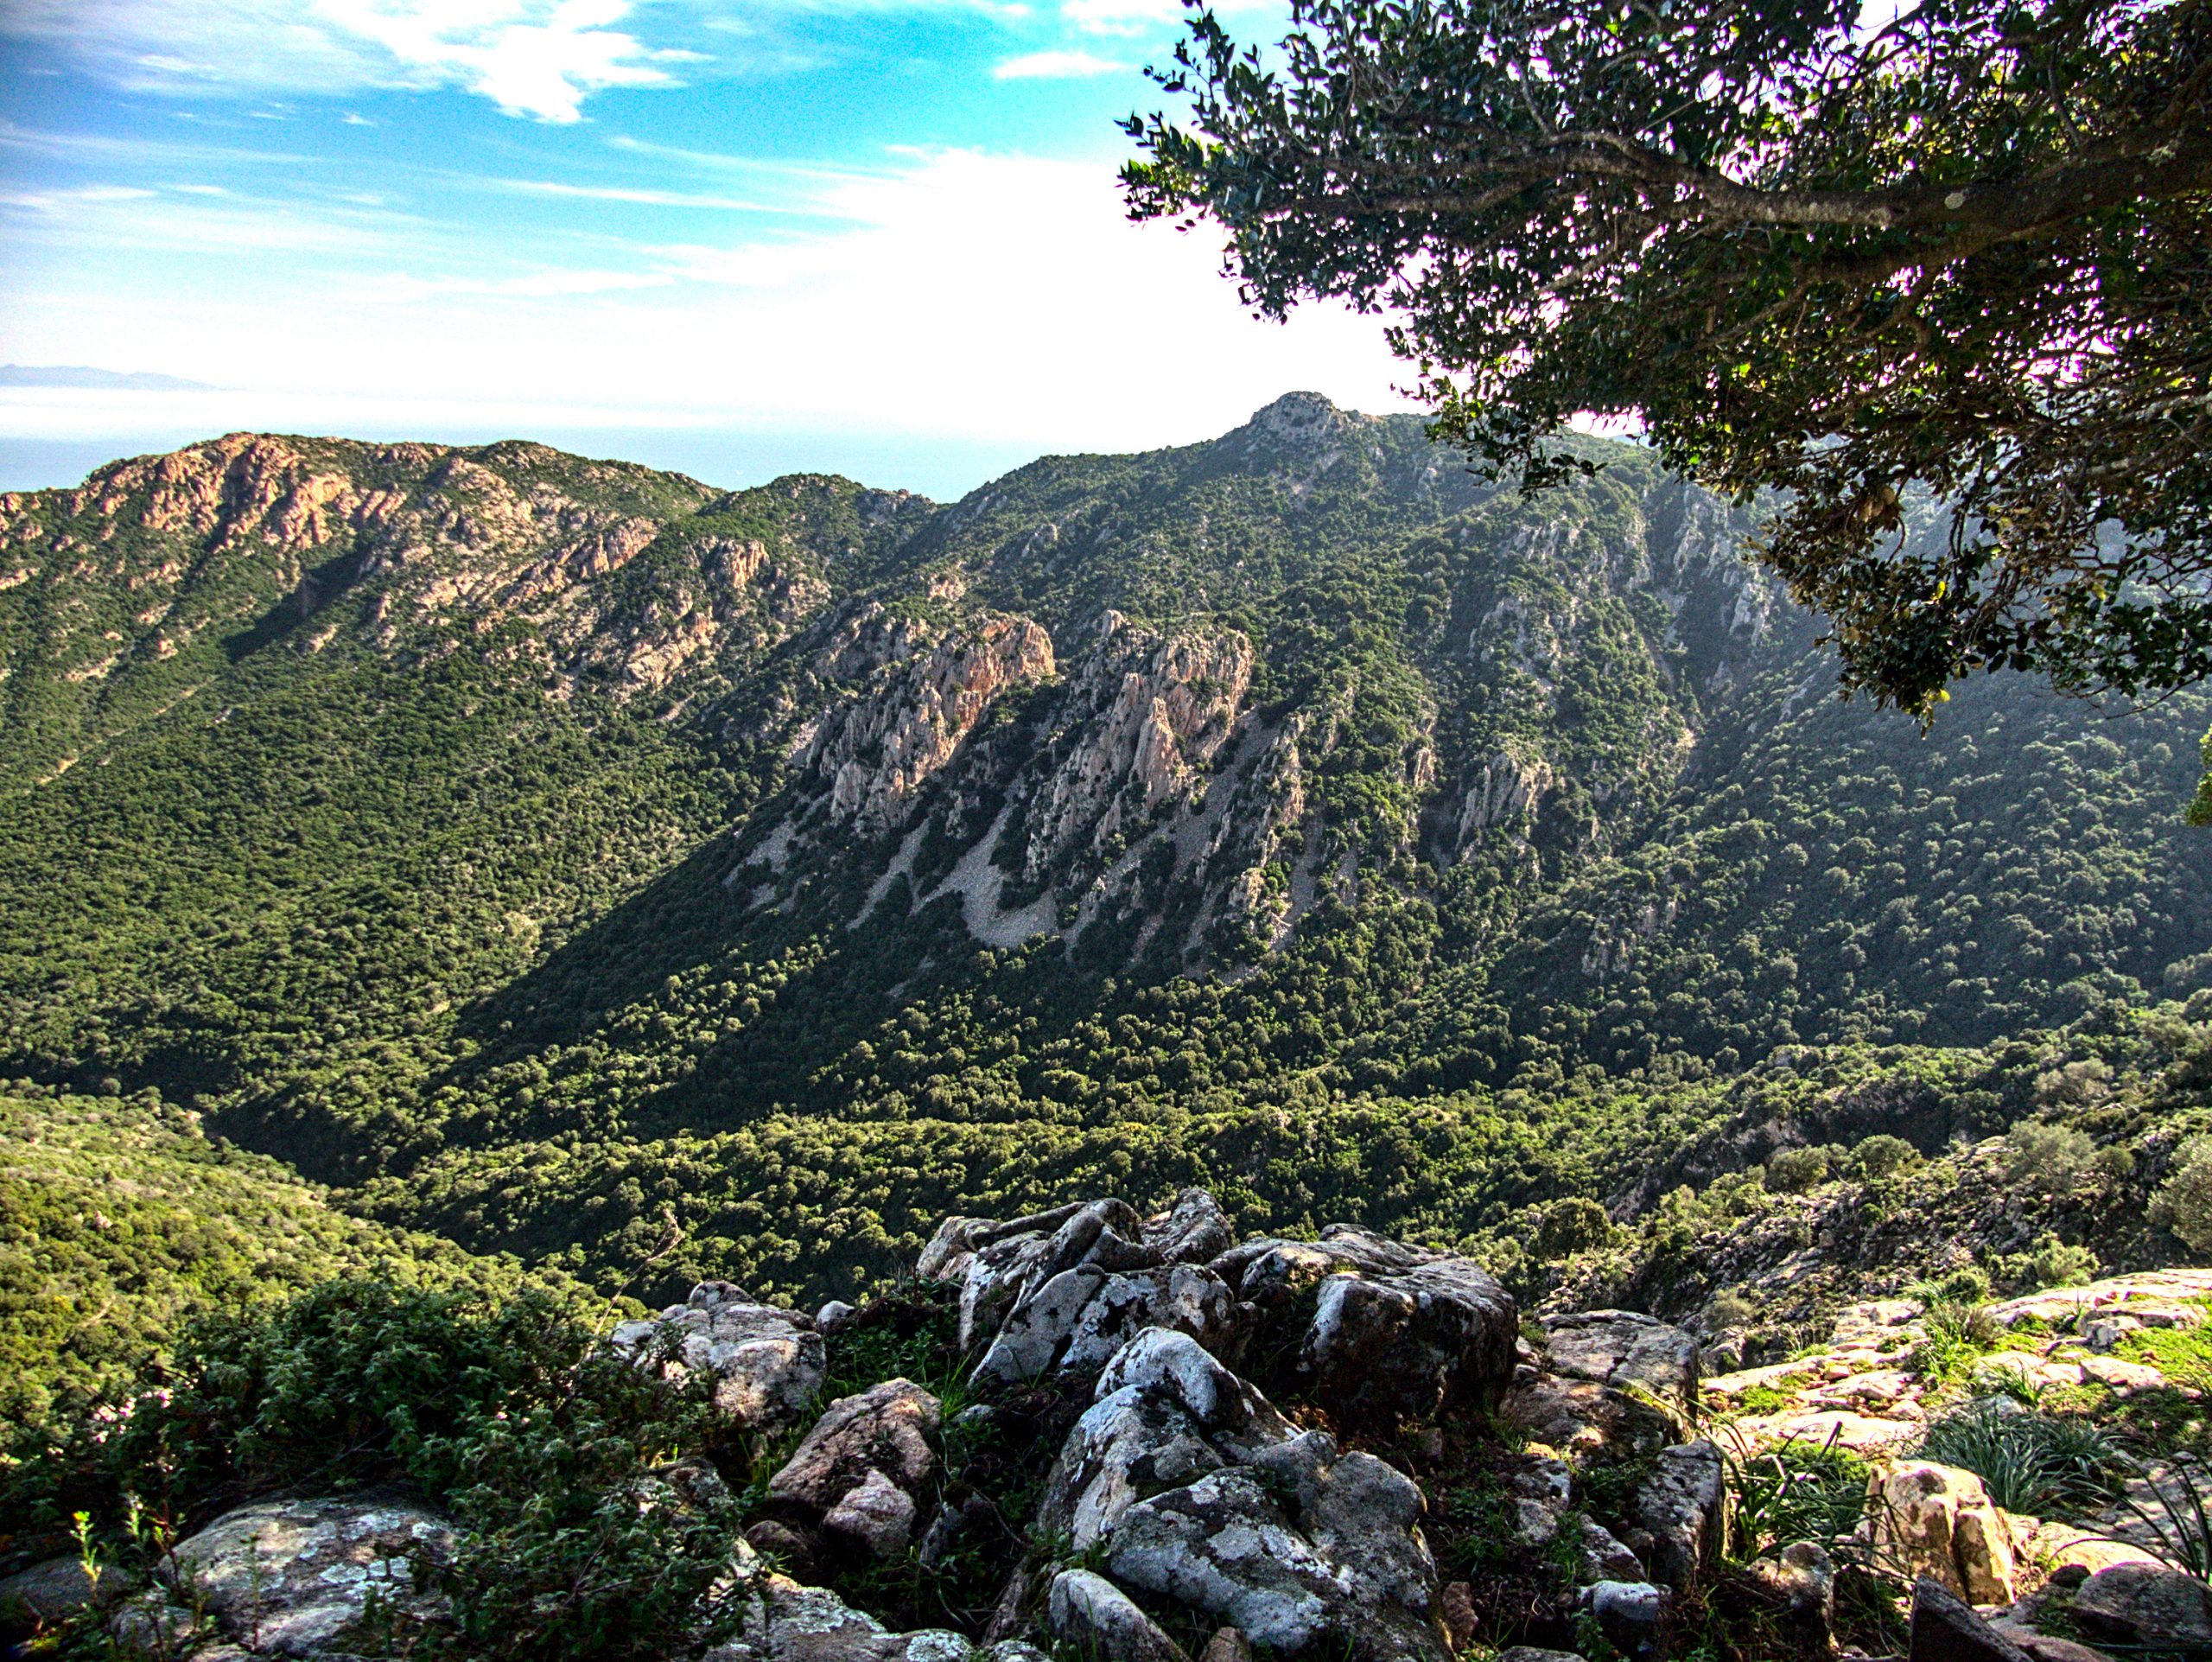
876,236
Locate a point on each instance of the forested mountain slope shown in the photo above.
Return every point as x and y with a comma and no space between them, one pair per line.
536,845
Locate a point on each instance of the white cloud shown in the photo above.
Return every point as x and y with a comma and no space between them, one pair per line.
1056,65
960,295
539,58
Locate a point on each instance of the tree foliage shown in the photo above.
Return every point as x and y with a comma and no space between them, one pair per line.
1962,245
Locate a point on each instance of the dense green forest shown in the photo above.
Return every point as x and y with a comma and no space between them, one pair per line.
538,851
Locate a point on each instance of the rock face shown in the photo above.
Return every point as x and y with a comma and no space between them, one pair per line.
767,1363
875,752
1938,1521
288,1577
1946,1629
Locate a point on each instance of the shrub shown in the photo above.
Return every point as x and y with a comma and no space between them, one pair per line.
2045,1156
2074,1083
1571,1226
1792,1171
1731,1308
1883,1156
2028,1462
2055,1263
511,1415
2183,1203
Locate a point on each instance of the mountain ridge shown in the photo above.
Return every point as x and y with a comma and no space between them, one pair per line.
523,843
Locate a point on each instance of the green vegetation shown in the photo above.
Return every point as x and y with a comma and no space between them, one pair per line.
120,1222
417,876
1812,256
2043,1464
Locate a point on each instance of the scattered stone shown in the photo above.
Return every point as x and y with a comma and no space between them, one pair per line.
288,1576
767,1363
1938,1521
1460,1621
883,1430
833,1318
1531,1653
794,1549
2143,1604
1627,1351
1089,1612
1603,1557
1228,1645
1629,1614
1946,1629
1802,1578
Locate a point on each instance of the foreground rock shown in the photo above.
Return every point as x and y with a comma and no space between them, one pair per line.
767,1363
1938,1521
859,1469
1607,1380
1197,1491
1397,1333
294,1577
2138,1604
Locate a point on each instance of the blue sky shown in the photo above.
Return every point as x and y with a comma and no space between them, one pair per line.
868,235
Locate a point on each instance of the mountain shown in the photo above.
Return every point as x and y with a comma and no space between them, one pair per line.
76,375
536,848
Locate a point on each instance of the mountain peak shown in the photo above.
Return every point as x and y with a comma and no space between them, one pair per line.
1296,424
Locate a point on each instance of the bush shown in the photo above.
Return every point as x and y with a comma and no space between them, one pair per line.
1792,1171
2028,1462
1571,1226
2055,1263
1798,1492
2045,1156
2183,1203
510,1415
1883,1156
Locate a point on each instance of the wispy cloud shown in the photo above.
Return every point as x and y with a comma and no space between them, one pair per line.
641,196
1056,65
537,58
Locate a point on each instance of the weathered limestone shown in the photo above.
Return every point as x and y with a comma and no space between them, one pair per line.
767,1363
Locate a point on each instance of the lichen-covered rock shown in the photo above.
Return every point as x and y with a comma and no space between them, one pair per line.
1681,1506
784,1620
1610,1380
1068,1288
50,1591
1802,1580
1629,1613
1395,1333
2145,1604
288,1577
876,1512
1938,1521
1200,1492
1100,1619
767,1363
883,1432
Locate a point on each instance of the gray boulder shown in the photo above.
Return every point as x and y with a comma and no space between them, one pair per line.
1199,1492
767,1363
46,1592
2144,1604
1681,1506
876,1439
1946,1629
1100,1619
289,1577
782,1620
1631,1615
1606,1379
1396,1332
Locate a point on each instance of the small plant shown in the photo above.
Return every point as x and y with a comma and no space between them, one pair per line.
2029,1462
1797,1491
